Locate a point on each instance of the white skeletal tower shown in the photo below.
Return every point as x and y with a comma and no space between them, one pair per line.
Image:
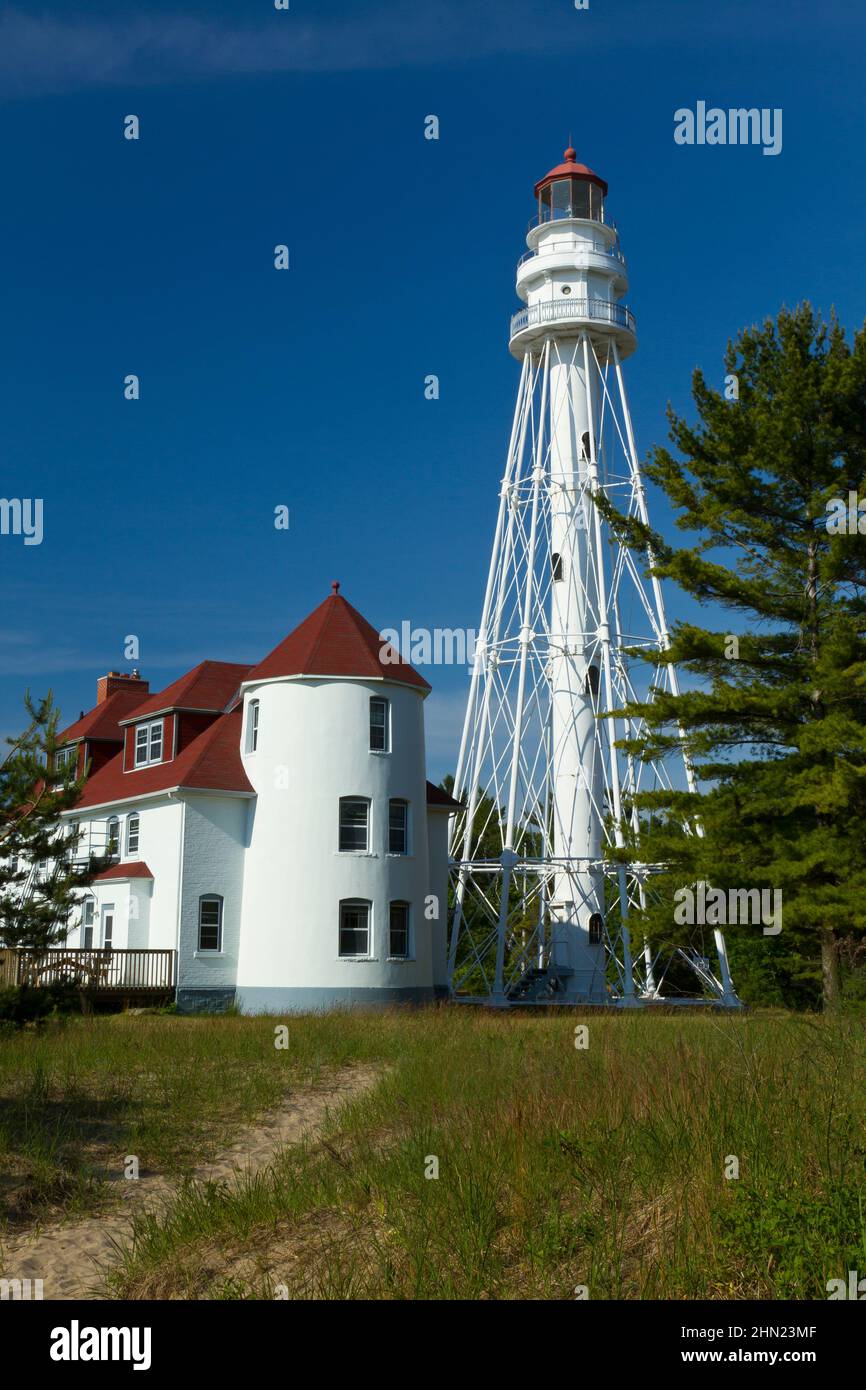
541,903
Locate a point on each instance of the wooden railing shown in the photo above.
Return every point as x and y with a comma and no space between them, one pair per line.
101,972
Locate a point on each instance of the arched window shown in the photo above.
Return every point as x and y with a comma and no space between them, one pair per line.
210,922
355,914
556,566
252,726
590,686
132,827
595,929
354,825
112,836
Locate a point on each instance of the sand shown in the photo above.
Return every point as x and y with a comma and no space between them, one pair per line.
71,1259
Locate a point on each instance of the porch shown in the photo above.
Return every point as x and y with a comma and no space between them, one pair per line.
141,976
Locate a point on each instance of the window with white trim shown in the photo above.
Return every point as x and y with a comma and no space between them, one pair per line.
148,743
87,924
354,825
64,756
107,925
253,726
398,827
380,731
112,836
133,825
210,922
398,931
355,928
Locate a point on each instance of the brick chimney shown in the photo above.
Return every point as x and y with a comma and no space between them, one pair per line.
116,680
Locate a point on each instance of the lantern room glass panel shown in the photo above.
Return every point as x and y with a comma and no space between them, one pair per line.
571,198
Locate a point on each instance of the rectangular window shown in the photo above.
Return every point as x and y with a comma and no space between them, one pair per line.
88,912
398,944
398,822
354,929
354,825
210,924
253,727
379,741
148,743
156,742
88,938
132,826
65,756
107,924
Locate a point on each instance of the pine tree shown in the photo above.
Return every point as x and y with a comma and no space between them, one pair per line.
775,719
34,906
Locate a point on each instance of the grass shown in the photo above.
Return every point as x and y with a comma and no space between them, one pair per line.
77,1096
558,1168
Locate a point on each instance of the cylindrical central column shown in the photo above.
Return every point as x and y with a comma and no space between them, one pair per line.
577,906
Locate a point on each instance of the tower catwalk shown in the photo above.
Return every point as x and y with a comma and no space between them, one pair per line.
540,906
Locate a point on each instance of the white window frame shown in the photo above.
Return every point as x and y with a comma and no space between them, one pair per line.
362,800
380,700
87,923
253,716
145,746
133,819
399,801
107,910
348,904
112,820
218,899
407,955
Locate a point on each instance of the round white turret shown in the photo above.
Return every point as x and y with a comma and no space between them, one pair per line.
307,752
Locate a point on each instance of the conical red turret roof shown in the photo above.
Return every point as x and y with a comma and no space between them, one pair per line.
335,640
571,170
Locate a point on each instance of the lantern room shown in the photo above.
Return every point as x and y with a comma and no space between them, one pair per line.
571,190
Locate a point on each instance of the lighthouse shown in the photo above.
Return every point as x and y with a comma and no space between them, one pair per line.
542,886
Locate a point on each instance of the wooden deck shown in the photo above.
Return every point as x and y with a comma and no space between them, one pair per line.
127,975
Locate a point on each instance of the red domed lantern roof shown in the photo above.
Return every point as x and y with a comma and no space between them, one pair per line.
571,170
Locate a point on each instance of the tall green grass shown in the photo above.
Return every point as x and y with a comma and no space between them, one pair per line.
559,1169
76,1097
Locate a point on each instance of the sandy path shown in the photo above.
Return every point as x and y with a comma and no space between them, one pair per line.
69,1258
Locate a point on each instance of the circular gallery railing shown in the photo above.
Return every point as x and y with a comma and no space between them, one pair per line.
555,310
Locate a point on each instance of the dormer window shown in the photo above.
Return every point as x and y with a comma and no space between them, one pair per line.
65,756
148,743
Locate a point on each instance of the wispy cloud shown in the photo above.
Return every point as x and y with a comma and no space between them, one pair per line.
52,52
59,52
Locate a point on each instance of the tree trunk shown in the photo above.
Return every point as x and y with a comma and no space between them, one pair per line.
830,978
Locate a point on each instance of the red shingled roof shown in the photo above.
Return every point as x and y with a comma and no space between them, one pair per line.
102,722
208,686
137,869
336,641
212,762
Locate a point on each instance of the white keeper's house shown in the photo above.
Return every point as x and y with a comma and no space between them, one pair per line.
270,826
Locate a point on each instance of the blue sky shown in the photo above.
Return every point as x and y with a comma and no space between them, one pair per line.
306,388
